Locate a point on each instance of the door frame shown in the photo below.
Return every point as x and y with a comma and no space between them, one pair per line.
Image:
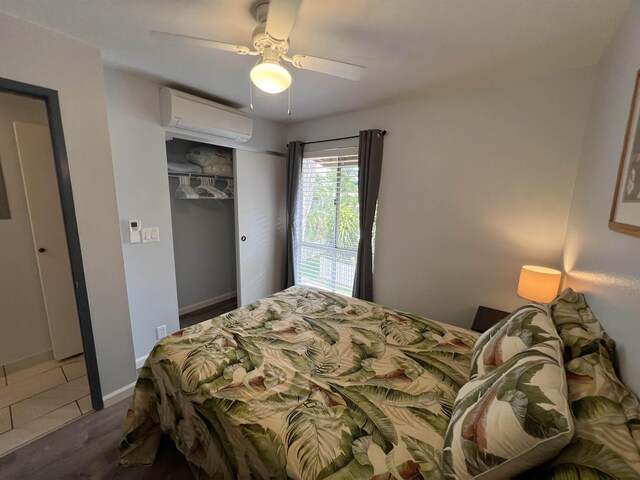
61,161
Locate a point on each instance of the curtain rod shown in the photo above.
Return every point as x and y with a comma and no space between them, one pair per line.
382,133
332,139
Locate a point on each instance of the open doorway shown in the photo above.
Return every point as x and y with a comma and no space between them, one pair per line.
48,369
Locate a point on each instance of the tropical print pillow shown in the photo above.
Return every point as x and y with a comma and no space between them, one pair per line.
606,413
526,326
577,326
514,417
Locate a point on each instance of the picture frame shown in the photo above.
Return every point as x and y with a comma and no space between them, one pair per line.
625,208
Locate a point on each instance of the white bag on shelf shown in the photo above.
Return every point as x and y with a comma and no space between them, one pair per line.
213,160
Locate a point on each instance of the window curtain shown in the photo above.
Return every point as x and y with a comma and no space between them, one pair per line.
369,169
295,150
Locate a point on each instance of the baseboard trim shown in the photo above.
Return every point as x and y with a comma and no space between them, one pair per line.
30,361
140,362
118,395
207,303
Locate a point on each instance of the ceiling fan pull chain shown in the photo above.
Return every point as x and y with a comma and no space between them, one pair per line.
289,101
250,95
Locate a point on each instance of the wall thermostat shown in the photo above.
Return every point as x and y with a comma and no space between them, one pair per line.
134,231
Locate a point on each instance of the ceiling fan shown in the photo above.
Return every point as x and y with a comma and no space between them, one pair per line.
271,42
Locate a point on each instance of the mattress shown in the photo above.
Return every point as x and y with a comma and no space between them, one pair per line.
304,384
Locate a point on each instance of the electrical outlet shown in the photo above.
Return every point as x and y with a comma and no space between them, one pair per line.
161,331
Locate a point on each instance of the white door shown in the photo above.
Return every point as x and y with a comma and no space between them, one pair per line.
260,224
49,238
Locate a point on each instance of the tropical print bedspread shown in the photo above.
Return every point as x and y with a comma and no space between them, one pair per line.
304,384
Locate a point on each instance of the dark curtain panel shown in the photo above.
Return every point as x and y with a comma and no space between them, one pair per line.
295,151
369,169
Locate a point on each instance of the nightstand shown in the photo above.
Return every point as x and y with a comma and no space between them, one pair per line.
486,318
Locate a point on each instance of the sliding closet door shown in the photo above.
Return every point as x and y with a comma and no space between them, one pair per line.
260,224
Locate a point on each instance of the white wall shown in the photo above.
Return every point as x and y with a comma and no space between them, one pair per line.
204,241
603,264
38,56
474,185
24,328
140,163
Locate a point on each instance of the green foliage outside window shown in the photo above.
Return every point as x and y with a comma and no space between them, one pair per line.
332,203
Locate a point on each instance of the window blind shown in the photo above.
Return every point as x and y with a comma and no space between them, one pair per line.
327,223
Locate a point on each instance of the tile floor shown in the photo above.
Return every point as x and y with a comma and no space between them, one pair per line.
40,398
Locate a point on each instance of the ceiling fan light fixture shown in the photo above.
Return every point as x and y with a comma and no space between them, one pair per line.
270,77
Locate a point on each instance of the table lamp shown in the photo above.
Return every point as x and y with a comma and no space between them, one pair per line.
539,284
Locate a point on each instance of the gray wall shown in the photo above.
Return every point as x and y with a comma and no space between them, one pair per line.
140,164
603,264
203,241
24,328
32,54
474,185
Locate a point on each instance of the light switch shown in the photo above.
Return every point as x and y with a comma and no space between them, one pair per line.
150,235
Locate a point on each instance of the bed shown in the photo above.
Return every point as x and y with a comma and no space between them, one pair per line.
307,384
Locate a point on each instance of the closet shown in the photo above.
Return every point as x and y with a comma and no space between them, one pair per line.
228,223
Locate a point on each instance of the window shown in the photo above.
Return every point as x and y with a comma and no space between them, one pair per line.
327,220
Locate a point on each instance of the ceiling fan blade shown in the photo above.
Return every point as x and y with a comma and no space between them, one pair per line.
329,67
199,42
281,17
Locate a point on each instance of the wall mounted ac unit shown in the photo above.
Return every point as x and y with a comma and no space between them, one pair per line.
181,111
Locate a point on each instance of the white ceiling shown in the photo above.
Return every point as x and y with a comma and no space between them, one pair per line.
411,47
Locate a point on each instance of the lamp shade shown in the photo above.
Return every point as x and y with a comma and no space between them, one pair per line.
271,77
539,284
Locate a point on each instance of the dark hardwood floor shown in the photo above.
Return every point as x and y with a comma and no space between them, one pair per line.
206,313
88,449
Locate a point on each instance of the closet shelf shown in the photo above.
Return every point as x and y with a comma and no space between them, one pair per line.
198,175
